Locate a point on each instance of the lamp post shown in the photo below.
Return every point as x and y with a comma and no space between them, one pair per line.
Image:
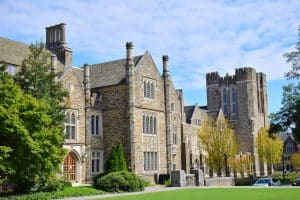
226,165
283,171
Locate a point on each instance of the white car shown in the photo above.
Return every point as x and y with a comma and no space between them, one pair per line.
267,182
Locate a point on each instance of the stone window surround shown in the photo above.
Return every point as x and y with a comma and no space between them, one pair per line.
155,124
149,93
233,103
174,135
157,162
75,112
100,159
100,125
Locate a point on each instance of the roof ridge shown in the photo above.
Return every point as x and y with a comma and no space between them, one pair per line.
107,62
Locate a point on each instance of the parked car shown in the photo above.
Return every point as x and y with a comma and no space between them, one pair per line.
267,182
297,182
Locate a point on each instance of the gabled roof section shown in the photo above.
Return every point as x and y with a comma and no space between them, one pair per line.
78,73
189,111
13,52
110,73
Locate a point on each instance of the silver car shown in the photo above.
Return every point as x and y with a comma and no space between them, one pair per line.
267,182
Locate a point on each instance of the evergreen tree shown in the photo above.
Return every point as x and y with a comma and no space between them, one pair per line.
116,160
30,144
121,158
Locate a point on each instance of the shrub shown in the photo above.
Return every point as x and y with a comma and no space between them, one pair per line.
54,184
145,182
244,181
168,183
120,182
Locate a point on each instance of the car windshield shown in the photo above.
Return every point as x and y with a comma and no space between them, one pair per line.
260,181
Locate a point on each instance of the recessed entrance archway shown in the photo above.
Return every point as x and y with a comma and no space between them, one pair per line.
70,168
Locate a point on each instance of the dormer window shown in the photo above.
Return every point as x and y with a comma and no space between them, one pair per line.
198,122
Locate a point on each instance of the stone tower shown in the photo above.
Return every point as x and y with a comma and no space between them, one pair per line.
56,42
243,99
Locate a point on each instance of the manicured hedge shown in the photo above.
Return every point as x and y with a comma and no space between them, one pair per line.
120,182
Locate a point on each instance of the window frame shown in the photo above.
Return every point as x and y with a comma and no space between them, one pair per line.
70,125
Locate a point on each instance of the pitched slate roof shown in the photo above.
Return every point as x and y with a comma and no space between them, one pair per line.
110,73
12,52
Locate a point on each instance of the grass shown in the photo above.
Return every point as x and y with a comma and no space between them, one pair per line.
67,192
219,194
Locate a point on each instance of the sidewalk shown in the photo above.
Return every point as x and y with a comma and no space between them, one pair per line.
156,188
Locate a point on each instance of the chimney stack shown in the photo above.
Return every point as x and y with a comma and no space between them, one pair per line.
54,66
165,59
129,47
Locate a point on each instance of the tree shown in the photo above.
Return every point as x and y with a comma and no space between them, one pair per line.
295,161
121,157
294,59
219,141
30,144
269,148
37,79
287,118
116,160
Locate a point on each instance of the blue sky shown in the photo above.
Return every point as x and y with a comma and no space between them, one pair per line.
199,36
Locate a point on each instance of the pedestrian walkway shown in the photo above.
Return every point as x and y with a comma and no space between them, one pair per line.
156,188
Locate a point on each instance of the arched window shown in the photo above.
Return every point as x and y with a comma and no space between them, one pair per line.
145,89
93,124
154,125
97,125
148,90
70,125
152,91
225,101
144,124
151,125
233,100
147,124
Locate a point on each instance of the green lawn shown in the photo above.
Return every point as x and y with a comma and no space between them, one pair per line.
219,194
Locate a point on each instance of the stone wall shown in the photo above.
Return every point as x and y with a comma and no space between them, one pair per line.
76,101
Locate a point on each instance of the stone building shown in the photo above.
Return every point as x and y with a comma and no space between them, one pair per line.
130,101
243,99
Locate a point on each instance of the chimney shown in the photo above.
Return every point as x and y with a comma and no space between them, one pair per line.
56,42
129,47
87,82
54,66
165,59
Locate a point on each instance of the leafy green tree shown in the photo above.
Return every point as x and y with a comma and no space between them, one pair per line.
30,143
269,149
37,79
219,141
293,58
287,118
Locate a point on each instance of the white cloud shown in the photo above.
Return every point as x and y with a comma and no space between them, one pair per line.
199,36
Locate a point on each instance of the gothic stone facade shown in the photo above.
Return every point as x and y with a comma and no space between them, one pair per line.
243,99
129,101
